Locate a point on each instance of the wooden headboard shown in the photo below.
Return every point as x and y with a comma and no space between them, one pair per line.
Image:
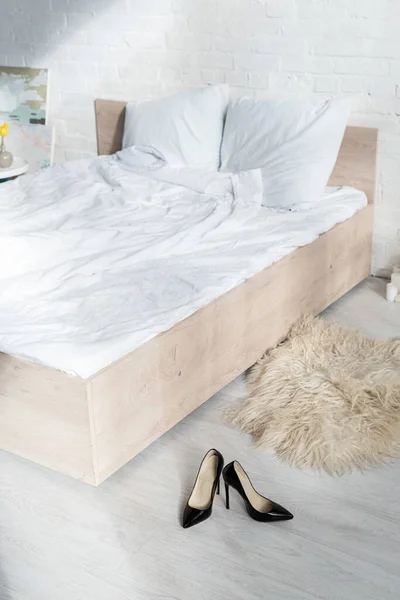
355,166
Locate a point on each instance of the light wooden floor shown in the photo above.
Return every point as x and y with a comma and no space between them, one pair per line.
62,540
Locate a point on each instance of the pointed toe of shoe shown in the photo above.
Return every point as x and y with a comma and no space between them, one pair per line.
193,516
279,513
186,523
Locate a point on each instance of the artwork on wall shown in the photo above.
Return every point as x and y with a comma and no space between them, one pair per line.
34,143
24,106
23,95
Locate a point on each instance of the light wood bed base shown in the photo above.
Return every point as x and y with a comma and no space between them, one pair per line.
88,429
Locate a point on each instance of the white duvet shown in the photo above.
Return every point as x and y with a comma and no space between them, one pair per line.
98,256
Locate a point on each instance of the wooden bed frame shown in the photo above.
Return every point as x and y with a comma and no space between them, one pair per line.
89,428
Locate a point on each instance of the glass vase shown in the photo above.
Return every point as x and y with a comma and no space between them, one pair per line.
6,158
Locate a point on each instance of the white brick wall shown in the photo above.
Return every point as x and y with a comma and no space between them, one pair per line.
138,49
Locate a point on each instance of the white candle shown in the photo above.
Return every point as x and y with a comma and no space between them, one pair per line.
391,292
397,299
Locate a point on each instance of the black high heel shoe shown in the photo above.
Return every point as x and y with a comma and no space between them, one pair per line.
258,507
199,506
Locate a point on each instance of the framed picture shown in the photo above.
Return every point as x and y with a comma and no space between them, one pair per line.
23,95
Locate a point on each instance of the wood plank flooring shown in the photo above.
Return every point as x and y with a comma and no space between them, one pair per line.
63,540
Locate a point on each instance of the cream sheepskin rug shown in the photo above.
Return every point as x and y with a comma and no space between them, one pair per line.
326,398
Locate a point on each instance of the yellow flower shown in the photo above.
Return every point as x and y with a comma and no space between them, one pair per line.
4,130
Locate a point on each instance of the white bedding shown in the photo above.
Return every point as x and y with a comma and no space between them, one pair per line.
97,257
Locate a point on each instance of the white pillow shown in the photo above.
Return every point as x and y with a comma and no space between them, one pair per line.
294,142
186,128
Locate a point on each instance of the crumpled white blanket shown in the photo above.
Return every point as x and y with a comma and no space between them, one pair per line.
98,256
81,243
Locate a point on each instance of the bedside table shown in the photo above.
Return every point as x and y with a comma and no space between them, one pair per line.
19,167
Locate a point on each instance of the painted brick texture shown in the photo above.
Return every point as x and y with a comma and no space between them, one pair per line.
140,49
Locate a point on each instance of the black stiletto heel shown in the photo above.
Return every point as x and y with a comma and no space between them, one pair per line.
258,507
226,495
199,506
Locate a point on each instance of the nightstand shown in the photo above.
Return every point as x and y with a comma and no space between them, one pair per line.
19,167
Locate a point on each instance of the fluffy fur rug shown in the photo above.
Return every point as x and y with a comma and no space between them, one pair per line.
326,398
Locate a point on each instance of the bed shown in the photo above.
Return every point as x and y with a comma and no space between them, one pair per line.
88,427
